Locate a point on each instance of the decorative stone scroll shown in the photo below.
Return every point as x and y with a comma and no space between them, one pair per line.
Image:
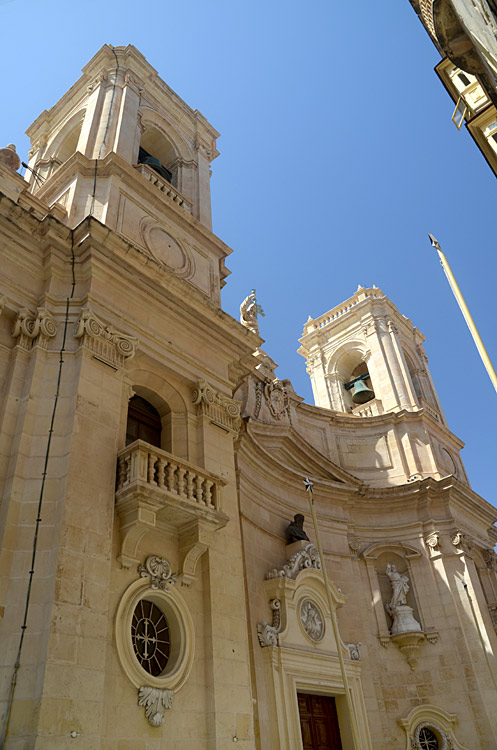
159,571
308,557
268,635
34,328
107,344
221,410
277,398
462,541
433,542
354,652
155,701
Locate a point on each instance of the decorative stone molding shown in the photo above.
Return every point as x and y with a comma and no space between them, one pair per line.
490,559
268,635
354,545
354,653
432,541
107,344
312,620
308,557
277,399
31,328
439,721
159,571
462,541
259,388
155,701
3,302
221,410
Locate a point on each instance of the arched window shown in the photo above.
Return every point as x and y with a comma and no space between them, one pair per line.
157,153
144,422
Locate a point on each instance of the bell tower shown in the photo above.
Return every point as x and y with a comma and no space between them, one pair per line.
123,147
366,361
366,358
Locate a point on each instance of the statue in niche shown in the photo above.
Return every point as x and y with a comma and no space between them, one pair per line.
249,309
295,530
400,587
398,609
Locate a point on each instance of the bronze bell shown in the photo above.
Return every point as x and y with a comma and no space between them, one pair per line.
362,394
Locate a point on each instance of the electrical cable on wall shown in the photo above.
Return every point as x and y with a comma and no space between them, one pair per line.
24,626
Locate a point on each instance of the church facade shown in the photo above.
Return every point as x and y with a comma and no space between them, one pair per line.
154,589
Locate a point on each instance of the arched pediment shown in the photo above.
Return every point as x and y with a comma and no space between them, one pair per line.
373,551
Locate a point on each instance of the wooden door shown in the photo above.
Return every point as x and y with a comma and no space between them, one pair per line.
319,722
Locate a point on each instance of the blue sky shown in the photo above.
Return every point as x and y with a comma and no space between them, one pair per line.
338,155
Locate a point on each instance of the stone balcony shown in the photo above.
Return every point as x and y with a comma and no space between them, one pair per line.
164,186
155,489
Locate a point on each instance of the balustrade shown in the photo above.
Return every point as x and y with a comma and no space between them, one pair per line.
164,186
143,463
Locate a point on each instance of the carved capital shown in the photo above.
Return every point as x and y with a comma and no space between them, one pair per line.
31,328
159,571
111,346
203,148
490,559
462,541
268,635
432,541
155,703
223,411
308,557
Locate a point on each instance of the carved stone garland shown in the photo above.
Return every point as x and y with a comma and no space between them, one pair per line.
221,410
106,343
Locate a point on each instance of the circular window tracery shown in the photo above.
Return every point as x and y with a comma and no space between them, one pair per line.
427,739
150,635
149,653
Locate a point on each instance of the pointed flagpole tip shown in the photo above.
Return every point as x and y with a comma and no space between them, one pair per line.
434,242
308,484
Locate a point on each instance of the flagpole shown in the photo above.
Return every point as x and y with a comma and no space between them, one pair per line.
465,311
308,486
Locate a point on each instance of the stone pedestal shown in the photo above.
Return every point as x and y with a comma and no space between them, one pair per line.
403,620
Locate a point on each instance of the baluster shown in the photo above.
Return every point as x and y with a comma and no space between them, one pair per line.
208,493
122,472
161,464
151,468
181,481
198,489
189,485
171,468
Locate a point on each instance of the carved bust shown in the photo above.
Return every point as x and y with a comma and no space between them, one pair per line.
295,530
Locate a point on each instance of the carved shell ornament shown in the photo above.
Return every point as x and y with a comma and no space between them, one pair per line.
159,571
